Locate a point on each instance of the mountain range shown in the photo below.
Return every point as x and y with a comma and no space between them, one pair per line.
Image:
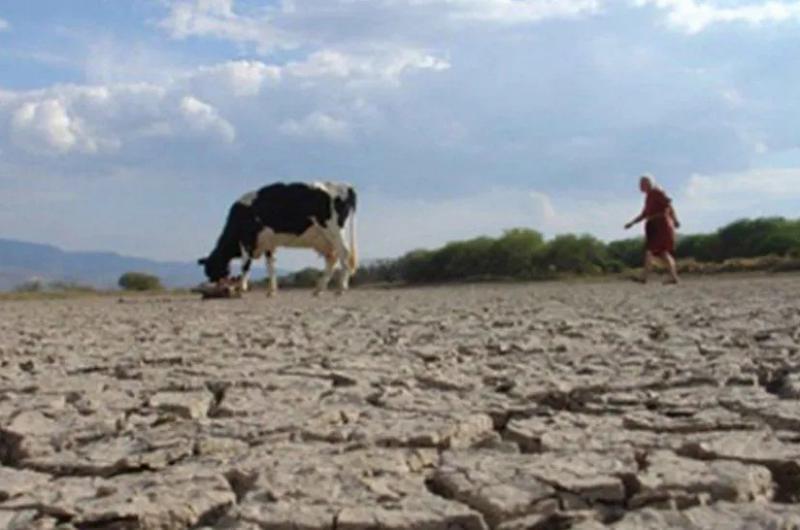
22,262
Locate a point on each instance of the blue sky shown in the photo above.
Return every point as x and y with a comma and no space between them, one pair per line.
132,126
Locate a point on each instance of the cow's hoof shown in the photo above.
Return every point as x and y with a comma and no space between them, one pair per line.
271,294
317,293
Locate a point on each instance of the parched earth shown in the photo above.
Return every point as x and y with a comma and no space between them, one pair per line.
544,406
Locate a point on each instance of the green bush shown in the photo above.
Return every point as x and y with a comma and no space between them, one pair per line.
139,281
523,254
416,266
759,237
701,247
463,259
383,271
304,278
516,254
628,252
33,286
576,255
69,287
36,289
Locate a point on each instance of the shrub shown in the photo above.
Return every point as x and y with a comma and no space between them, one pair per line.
139,281
416,266
516,254
33,286
462,259
628,252
523,254
307,277
383,271
70,287
577,255
759,237
701,247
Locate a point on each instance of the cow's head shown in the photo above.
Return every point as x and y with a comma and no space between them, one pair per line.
344,202
216,267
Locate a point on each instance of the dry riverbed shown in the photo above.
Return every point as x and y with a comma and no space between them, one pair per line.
541,406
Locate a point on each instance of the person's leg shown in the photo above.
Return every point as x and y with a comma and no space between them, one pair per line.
648,265
673,268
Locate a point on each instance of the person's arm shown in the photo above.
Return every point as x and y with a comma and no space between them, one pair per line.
674,217
641,217
660,207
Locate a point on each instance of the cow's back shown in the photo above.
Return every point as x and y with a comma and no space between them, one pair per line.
290,208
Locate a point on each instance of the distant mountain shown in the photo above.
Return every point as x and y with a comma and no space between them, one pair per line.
21,262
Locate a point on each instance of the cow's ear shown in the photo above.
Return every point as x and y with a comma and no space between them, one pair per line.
202,261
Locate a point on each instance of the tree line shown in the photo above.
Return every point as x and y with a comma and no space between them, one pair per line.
524,254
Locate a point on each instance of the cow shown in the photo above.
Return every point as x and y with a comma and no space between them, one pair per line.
295,215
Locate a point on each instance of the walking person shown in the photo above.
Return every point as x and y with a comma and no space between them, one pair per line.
660,224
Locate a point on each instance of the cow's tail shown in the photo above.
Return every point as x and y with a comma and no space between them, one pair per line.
352,263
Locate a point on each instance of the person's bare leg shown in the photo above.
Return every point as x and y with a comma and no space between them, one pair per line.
648,266
673,268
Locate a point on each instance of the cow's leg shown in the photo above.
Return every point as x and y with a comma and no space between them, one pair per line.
343,253
246,263
324,280
272,287
333,237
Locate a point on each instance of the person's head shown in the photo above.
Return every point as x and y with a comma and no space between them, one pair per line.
646,183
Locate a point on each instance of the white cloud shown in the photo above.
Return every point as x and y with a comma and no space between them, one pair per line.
693,16
544,206
100,119
732,97
80,119
517,11
218,19
249,77
4,25
387,66
202,117
318,125
744,189
296,23
240,78
105,117
46,126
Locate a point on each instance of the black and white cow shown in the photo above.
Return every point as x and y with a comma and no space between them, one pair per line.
287,215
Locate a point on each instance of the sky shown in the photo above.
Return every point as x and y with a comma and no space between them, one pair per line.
132,126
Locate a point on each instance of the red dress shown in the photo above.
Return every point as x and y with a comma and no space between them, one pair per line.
659,231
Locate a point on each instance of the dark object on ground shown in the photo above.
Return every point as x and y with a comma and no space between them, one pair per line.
226,288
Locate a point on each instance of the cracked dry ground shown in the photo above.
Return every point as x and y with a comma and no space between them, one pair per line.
542,406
